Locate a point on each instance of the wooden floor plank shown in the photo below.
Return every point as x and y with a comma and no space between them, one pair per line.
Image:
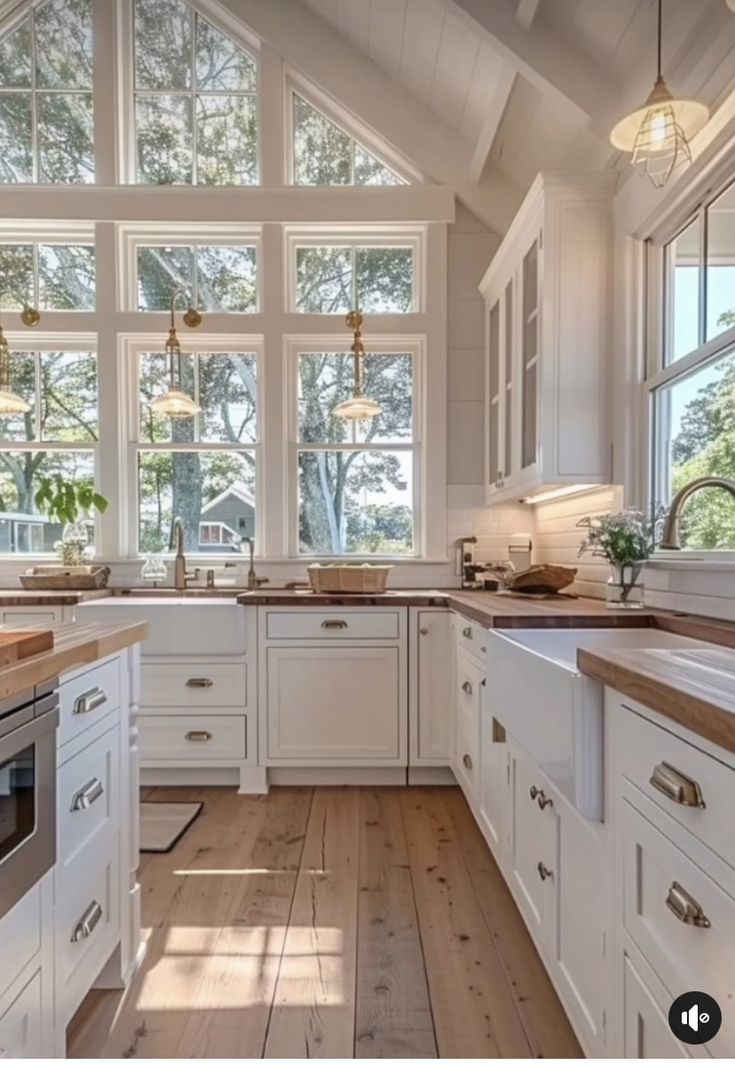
474,1012
549,1032
393,1015
232,1010
314,1007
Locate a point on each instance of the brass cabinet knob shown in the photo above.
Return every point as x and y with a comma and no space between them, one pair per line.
467,687
424,632
467,762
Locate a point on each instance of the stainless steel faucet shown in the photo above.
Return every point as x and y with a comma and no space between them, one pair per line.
176,541
671,536
254,581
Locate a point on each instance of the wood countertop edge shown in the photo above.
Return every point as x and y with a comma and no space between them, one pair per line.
701,716
75,646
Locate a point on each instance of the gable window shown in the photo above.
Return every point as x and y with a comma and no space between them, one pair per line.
323,154
215,277
201,469
692,388
58,277
355,485
57,435
46,109
195,100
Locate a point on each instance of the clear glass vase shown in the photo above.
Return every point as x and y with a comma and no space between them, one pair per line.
625,590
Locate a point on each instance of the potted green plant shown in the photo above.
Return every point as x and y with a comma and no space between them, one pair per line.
626,540
70,504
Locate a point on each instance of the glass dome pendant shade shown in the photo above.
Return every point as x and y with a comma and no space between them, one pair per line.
657,134
10,403
358,407
176,402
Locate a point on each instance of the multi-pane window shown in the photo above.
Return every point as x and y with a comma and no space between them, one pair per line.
46,109
201,469
48,276
195,100
693,386
215,277
334,278
355,481
323,154
57,435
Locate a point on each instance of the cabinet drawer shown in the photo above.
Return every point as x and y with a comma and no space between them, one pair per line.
22,1024
471,637
647,1032
86,920
88,697
20,935
23,616
307,624
686,955
687,775
467,733
195,684
87,795
194,737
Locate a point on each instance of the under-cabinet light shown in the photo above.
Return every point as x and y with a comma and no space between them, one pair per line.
550,494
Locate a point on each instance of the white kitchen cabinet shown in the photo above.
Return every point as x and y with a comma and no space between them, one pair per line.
647,1032
494,782
431,687
29,615
547,297
468,692
22,1022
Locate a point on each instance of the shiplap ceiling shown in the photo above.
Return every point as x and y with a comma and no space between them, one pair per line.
473,63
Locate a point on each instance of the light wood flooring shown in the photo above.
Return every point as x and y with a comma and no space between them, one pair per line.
328,922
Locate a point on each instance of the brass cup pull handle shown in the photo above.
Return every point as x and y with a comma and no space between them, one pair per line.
334,624
467,762
676,785
685,907
467,687
544,872
199,736
467,633
89,701
87,795
87,923
199,682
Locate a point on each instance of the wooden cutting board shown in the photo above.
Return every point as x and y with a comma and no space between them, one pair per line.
15,646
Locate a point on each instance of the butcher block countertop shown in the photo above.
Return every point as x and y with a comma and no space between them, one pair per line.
10,597
694,687
74,646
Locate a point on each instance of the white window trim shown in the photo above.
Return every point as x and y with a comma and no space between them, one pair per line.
131,346
416,347
130,238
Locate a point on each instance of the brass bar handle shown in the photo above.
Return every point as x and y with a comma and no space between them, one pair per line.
87,795
467,687
334,624
89,701
199,736
87,923
685,907
467,633
544,872
199,682
676,786
467,762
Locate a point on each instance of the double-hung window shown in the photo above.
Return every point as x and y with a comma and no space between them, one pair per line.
202,469
691,382
57,435
355,485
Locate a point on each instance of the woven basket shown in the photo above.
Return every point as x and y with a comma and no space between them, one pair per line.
542,578
90,579
349,580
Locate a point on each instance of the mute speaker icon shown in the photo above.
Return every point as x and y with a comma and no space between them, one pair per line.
693,1018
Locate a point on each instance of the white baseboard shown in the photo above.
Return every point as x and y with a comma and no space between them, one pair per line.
194,777
395,776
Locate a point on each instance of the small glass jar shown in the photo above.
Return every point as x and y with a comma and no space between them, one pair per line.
624,589
154,570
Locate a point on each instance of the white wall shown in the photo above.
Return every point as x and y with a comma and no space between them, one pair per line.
556,537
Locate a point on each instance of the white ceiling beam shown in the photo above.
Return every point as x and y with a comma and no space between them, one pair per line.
540,55
526,12
496,104
312,47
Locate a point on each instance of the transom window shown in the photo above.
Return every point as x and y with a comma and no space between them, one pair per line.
693,387
356,482
215,277
195,100
48,276
46,110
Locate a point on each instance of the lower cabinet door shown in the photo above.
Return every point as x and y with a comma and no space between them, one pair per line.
335,705
494,781
647,1032
468,683
21,1025
433,680
534,873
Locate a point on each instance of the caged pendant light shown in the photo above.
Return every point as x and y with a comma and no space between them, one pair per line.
657,134
175,402
11,404
358,407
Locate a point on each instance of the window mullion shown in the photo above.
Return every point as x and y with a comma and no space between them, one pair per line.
35,162
703,240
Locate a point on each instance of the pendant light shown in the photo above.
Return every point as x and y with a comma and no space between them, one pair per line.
358,407
12,404
657,134
176,403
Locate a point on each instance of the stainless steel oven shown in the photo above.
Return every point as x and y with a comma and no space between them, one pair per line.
27,790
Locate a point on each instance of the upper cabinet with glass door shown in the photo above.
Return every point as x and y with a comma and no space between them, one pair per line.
547,295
